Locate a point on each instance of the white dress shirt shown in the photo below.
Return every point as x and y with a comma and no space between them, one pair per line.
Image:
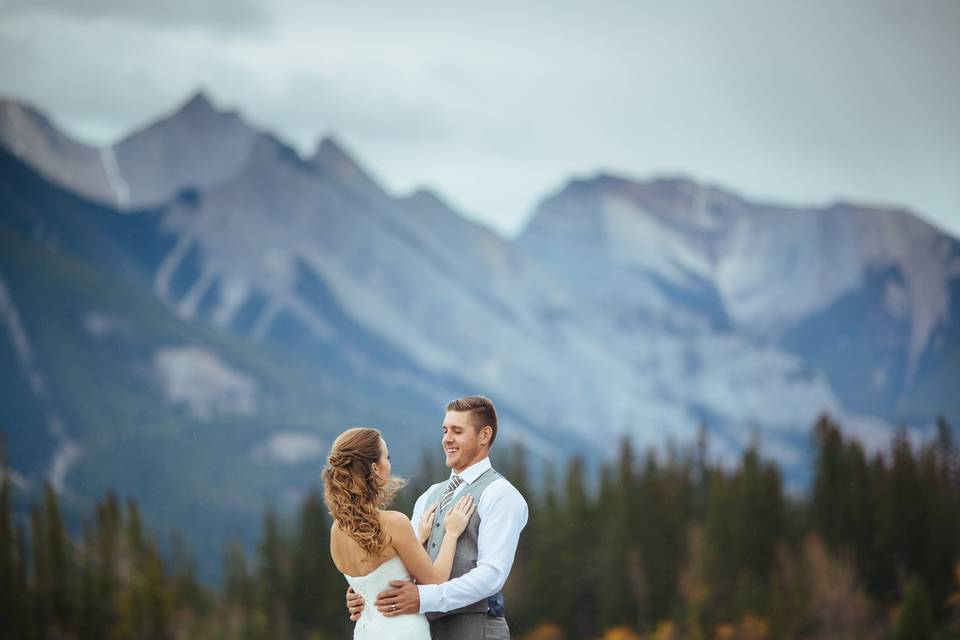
503,515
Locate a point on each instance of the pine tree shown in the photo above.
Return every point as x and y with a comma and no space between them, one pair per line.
91,614
186,592
513,464
60,558
953,604
25,620
156,595
238,592
14,590
881,570
132,618
940,495
745,520
106,568
664,501
911,521
237,586
42,574
915,621
612,538
544,573
272,577
9,595
701,474
576,598
316,594
829,484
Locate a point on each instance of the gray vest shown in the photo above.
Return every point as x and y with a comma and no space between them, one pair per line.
465,557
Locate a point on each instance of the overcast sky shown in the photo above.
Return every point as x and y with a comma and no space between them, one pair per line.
496,104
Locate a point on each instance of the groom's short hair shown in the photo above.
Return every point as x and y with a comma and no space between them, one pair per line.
481,410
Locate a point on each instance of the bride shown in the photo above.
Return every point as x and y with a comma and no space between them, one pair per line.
371,546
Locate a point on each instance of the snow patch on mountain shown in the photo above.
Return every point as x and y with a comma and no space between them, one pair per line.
66,455
289,447
100,325
121,190
20,341
925,258
200,380
778,265
234,291
636,240
67,451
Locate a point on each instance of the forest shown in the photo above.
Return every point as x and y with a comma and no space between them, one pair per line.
647,546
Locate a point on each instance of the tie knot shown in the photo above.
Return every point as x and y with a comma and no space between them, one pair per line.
455,481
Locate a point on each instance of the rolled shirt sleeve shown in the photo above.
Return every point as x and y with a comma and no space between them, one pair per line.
503,515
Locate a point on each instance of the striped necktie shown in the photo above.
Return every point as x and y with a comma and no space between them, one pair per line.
448,493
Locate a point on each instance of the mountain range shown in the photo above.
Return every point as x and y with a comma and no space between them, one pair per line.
194,312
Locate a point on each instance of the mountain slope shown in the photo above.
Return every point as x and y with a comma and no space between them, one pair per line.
643,307
31,136
690,260
195,147
202,428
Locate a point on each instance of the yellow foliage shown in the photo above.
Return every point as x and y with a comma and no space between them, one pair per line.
725,632
666,630
620,633
751,627
837,603
754,627
954,600
546,631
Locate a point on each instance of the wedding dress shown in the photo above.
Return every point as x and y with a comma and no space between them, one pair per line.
372,624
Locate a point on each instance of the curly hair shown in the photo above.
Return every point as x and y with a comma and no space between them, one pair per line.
354,493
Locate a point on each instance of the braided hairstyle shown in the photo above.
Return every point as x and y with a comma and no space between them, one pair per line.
353,491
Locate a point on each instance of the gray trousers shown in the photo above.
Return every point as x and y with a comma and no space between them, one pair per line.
469,626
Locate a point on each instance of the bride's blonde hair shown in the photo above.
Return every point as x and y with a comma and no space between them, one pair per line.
354,492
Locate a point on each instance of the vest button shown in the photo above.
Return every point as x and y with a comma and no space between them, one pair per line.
433,544
438,525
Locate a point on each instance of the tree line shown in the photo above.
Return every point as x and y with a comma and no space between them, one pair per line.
646,546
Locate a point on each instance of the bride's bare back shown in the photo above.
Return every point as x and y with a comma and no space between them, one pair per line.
350,559
348,555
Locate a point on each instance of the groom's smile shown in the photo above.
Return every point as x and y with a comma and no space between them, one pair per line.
463,443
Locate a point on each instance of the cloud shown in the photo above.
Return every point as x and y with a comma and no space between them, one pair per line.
494,104
221,15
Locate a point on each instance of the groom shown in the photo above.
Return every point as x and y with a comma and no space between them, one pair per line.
470,605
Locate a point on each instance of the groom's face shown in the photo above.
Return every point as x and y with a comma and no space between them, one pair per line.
461,442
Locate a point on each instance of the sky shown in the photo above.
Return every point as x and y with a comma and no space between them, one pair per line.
496,105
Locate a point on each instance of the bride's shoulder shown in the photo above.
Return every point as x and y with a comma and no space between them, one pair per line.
394,518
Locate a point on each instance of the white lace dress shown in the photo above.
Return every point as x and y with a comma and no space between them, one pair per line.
372,624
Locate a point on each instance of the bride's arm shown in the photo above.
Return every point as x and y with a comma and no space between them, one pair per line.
412,553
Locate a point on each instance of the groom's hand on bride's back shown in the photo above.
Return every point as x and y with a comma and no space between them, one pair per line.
354,604
402,597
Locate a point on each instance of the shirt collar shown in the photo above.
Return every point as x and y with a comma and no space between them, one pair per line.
474,471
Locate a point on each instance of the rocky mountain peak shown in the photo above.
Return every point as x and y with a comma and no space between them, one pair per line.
425,198
198,113
31,136
330,157
267,153
199,102
11,109
602,204
197,145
